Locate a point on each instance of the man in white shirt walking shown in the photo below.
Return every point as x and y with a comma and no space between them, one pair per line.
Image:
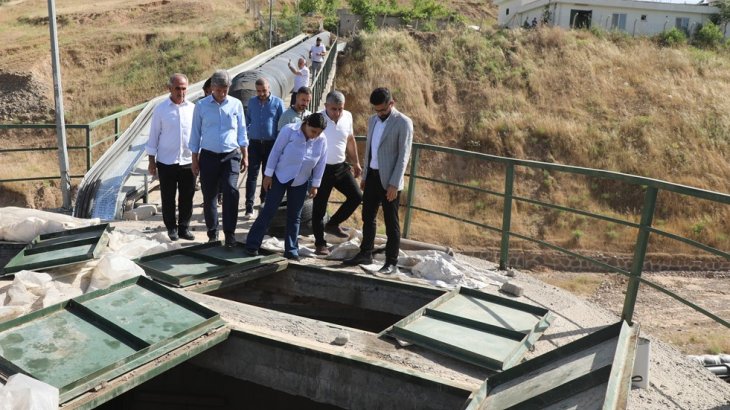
317,53
343,167
170,157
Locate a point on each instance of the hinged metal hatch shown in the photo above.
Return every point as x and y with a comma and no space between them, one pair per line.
92,339
59,249
483,329
593,372
193,264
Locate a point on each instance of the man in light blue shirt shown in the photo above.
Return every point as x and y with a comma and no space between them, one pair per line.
299,154
262,117
218,143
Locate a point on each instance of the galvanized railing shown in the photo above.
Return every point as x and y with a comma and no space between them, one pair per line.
644,227
90,140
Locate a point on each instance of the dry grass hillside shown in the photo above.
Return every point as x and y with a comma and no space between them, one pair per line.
613,103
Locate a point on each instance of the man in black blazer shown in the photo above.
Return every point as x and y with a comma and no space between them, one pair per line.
387,150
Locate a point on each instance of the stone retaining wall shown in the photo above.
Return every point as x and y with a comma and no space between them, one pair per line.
529,259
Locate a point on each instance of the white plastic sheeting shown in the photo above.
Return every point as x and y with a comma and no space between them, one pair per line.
26,393
431,267
23,225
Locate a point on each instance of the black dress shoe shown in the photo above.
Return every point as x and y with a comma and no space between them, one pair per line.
359,259
251,252
292,257
172,233
185,234
336,231
389,269
230,240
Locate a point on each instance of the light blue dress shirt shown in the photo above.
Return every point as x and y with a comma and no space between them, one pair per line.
293,157
262,120
219,128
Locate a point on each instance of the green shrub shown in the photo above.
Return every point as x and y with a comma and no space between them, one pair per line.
672,38
709,36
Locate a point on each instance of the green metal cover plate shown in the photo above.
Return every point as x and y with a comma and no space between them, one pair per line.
593,372
59,249
483,329
85,341
191,265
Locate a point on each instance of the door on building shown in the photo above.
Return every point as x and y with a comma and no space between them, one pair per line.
581,18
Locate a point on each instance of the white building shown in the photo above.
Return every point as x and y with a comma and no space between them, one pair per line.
631,16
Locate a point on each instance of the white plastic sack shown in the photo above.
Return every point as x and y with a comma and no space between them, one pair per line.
26,393
345,250
113,268
23,225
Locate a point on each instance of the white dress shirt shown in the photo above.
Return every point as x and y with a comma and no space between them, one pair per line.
336,134
301,80
375,142
170,132
295,158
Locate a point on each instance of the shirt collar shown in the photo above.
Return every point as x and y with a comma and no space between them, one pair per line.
170,102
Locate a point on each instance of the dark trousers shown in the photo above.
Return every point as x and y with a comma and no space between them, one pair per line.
176,179
374,197
258,155
295,196
220,171
336,176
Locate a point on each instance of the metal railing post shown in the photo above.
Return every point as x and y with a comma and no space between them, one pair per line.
411,191
117,127
509,180
642,242
88,148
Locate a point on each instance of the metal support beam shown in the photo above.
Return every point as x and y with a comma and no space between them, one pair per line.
509,180
642,242
60,122
411,191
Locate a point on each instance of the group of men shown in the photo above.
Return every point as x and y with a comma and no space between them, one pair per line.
215,140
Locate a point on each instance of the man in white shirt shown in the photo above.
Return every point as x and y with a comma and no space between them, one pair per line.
301,78
316,54
338,173
170,157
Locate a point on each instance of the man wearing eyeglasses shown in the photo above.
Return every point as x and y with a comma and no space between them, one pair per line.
387,150
170,158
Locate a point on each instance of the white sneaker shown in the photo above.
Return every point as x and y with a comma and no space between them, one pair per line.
248,216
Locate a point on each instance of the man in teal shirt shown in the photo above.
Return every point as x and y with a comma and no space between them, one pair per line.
218,143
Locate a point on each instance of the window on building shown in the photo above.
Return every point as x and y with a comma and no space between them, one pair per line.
618,21
643,17
682,23
507,11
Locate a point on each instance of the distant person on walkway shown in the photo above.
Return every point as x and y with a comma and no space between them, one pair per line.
316,54
301,77
296,113
262,118
298,156
218,142
170,158
343,167
387,150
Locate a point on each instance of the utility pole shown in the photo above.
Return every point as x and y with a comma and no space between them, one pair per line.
271,22
60,122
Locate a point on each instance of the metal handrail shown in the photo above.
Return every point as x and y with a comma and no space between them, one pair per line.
652,186
88,146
